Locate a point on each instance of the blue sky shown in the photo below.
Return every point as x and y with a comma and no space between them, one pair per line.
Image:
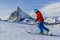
8,6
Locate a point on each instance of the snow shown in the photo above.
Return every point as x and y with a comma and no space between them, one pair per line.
22,14
14,31
50,20
18,15
51,10
28,21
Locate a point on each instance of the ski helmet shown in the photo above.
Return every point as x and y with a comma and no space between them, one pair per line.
35,10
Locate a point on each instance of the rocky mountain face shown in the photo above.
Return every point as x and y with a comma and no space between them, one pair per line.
18,15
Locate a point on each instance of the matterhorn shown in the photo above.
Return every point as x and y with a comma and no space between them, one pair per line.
18,15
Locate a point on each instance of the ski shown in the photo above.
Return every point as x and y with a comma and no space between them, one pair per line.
44,34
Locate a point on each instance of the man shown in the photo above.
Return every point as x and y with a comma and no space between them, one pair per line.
40,21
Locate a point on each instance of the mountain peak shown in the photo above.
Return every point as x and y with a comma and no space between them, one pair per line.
18,7
18,15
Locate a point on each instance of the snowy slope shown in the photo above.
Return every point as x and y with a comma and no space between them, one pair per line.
13,31
51,10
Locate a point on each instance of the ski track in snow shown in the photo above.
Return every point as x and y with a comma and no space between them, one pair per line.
14,31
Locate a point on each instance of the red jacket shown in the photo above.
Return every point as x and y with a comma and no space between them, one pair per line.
39,16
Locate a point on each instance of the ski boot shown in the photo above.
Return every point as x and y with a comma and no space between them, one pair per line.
47,32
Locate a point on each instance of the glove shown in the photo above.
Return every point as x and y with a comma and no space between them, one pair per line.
36,20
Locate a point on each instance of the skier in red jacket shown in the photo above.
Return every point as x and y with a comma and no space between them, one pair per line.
40,21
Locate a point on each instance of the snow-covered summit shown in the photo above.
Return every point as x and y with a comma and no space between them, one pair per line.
18,15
